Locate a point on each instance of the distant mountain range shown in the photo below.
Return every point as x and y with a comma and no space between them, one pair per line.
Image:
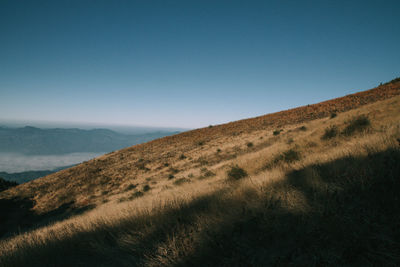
36,141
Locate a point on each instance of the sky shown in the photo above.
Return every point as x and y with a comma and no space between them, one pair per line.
188,64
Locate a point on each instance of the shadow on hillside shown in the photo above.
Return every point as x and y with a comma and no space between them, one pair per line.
345,212
16,215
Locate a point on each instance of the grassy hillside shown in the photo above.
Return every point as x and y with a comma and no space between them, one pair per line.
316,185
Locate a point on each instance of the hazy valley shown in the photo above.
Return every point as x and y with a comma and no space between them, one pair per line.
27,153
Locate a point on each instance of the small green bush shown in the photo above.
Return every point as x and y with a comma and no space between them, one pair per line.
218,150
146,188
333,115
303,128
250,144
182,156
236,173
181,181
290,156
206,173
276,132
136,195
202,161
142,166
171,176
173,170
130,187
4,184
330,132
357,125
396,80
122,199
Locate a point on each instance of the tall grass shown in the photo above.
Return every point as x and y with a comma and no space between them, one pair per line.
357,124
330,204
312,216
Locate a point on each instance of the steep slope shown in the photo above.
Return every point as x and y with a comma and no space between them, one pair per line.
111,174
320,190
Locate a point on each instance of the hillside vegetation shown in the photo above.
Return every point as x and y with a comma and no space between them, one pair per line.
315,185
4,184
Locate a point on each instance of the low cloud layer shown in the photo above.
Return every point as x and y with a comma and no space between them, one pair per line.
11,163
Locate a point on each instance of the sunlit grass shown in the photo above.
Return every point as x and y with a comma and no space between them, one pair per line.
328,203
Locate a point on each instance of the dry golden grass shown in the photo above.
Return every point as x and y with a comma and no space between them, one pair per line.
144,217
109,175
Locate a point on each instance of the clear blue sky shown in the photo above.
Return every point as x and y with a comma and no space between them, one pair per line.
188,63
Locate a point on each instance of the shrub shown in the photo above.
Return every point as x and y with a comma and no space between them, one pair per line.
330,132
181,181
218,150
182,156
142,166
303,128
203,161
130,187
146,188
312,144
357,125
200,143
171,176
4,184
236,173
173,170
393,81
136,195
290,156
276,132
206,173
250,144
122,199
333,115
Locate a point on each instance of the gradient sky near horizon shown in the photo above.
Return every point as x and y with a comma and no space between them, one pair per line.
188,63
